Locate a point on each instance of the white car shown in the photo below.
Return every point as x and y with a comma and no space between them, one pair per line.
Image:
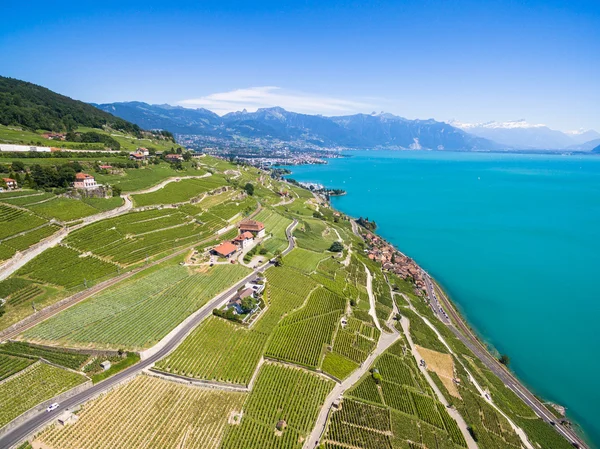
52,407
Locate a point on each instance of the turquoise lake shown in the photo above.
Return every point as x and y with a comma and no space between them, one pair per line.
514,239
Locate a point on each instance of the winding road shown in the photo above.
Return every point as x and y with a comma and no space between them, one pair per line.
28,428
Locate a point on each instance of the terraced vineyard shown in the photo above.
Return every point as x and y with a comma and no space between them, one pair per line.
178,192
301,336
276,225
138,235
217,350
67,268
14,220
360,425
149,412
140,313
303,260
10,365
280,393
68,209
73,360
32,386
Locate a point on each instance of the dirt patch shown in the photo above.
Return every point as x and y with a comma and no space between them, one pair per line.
234,418
443,366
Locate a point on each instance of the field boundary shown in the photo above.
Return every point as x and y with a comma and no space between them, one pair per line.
171,377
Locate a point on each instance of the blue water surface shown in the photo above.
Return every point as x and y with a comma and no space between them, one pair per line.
514,239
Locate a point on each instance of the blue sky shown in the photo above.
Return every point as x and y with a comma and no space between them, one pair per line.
473,61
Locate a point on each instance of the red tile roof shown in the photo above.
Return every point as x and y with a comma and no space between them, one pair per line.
8,180
82,176
225,248
251,225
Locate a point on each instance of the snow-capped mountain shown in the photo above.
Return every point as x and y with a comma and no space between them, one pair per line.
520,134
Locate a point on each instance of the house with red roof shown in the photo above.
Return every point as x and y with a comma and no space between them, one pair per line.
11,184
256,228
244,240
225,249
84,181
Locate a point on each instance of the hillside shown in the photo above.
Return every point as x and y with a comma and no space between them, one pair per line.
277,124
35,107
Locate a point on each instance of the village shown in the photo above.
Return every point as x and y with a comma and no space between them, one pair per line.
393,260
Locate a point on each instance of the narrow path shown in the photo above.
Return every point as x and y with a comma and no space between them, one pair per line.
371,297
462,425
34,424
385,341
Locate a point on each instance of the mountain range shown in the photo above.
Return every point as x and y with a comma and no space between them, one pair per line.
520,134
352,131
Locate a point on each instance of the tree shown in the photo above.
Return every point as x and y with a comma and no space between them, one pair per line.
279,261
116,191
317,214
336,247
248,304
249,188
18,166
504,359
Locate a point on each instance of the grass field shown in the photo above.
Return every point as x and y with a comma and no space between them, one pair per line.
148,412
280,393
131,180
314,235
33,385
217,350
179,192
138,314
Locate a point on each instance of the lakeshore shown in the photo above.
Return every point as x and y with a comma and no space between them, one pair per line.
492,220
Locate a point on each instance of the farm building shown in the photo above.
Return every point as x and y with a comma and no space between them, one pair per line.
255,227
174,157
11,184
244,240
225,249
143,151
84,181
136,156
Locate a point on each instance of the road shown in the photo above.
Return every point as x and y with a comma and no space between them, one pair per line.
29,427
464,333
385,341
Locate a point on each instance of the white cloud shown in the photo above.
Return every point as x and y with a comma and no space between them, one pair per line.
253,98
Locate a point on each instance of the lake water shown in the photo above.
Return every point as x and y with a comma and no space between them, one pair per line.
514,239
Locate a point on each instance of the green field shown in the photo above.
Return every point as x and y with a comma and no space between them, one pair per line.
280,392
139,313
217,350
179,192
135,236
14,220
303,260
66,267
33,385
68,209
301,336
338,366
10,365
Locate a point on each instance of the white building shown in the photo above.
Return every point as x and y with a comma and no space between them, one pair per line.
84,181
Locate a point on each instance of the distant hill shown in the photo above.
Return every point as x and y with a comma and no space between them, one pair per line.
519,134
596,150
34,107
353,131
